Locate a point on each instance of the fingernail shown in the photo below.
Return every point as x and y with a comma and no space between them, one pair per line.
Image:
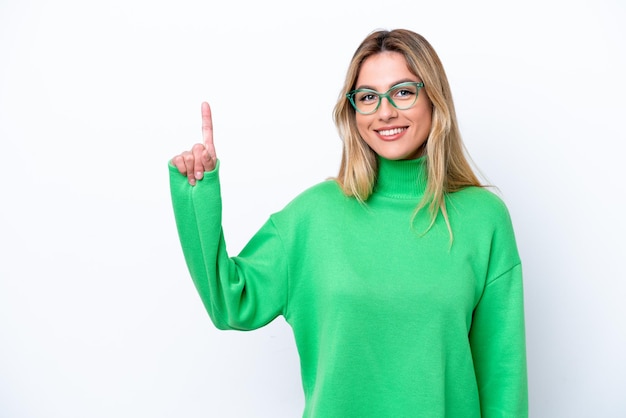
192,182
198,175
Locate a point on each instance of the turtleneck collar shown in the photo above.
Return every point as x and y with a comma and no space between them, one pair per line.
401,179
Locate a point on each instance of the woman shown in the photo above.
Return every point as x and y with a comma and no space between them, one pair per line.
400,278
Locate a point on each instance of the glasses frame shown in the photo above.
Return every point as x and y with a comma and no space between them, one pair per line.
380,96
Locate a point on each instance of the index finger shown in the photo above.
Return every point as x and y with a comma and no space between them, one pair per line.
207,128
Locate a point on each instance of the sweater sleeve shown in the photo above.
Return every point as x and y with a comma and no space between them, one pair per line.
497,338
244,292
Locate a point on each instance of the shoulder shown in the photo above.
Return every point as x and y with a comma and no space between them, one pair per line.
328,189
315,209
324,193
479,209
479,200
315,199
482,218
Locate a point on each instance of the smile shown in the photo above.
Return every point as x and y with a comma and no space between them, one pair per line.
389,132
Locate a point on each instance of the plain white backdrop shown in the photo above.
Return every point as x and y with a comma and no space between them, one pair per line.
98,316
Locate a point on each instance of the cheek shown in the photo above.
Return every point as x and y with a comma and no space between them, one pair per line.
424,118
362,124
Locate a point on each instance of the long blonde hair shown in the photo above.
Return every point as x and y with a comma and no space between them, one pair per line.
446,157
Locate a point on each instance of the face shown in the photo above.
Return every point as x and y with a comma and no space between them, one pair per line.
392,133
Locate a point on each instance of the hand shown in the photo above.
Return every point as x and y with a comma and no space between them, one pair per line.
202,157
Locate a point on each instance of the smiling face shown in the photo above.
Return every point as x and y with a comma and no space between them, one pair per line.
392,133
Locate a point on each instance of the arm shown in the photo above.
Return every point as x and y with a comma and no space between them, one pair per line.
497,338
245,292
497,334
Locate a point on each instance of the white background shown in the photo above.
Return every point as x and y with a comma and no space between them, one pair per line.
98,316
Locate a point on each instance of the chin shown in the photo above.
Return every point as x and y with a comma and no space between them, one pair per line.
397,156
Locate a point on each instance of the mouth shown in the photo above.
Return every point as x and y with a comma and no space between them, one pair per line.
391,133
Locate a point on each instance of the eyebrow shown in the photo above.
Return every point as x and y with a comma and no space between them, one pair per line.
404,80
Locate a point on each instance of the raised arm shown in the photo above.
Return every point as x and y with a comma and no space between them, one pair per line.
244,292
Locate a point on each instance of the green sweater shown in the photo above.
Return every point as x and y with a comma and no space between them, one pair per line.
388,321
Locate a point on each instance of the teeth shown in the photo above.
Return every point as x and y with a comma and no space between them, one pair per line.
388,132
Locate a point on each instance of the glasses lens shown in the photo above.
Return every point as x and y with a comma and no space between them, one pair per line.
404,95
365,101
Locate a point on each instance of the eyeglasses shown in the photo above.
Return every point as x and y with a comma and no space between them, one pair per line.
401,96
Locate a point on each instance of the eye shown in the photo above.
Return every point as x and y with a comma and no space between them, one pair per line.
367,97
404,93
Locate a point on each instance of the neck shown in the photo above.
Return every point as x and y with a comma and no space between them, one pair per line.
403,179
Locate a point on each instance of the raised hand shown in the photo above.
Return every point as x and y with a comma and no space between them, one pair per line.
202,156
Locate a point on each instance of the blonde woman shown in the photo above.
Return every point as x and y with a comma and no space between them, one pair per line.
400,278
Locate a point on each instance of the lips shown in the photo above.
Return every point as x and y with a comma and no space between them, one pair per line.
390,132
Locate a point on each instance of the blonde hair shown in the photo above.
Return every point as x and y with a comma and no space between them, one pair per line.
447,162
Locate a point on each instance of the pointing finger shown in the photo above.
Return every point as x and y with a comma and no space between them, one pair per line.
207,129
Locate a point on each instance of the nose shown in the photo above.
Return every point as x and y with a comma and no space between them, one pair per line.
386,110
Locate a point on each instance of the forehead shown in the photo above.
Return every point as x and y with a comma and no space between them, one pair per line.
383,70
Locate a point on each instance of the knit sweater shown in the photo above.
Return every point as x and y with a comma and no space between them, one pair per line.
390,318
